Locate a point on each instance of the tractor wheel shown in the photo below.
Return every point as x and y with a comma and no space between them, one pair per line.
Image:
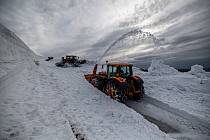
110,89
94,82
131,92
101,83
140,95
113,91
142,90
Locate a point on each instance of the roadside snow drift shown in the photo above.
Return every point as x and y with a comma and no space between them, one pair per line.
157,68
198,71
188,91
44,102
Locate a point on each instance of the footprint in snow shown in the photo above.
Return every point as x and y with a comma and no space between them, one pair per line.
14,134
37,131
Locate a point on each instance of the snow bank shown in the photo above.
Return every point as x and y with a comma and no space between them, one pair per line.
157,68
198,71
184,91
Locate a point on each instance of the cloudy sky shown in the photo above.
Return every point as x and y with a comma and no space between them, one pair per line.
134,30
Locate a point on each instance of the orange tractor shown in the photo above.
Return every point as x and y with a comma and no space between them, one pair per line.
117,81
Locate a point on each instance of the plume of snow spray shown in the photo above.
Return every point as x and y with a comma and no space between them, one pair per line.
136,32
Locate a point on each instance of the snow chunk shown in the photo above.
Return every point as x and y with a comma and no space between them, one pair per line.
198,71
157,68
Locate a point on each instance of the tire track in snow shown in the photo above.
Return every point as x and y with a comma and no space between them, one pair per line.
178,119
76,131
180,113
57,86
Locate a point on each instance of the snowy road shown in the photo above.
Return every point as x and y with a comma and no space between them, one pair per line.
176,102
177,123
195,120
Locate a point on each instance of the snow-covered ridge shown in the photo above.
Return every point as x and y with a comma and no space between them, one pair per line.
157,68
13,51
198,71
12,47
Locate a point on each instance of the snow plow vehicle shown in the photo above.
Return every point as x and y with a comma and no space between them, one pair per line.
117,81
49,58
70,59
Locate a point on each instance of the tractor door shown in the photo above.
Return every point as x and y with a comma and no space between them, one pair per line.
126,71
103,68
111,71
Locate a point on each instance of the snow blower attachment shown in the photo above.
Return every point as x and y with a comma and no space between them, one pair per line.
117,81
71,60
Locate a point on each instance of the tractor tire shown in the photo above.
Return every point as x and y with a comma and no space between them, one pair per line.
101,83
112,91
108,89
141,93
131,91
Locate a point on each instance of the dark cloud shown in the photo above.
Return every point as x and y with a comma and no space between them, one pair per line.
87,28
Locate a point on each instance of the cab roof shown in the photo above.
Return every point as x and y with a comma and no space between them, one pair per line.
119,64
71,56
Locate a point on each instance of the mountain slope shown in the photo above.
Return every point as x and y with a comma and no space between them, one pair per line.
13,51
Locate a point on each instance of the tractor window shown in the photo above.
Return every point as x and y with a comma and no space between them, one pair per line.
125,71
112,71
103,68
109,70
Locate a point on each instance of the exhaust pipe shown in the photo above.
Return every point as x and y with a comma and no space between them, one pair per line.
95,69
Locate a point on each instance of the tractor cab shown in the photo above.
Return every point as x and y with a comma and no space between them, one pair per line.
71,58
119,70
117,81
